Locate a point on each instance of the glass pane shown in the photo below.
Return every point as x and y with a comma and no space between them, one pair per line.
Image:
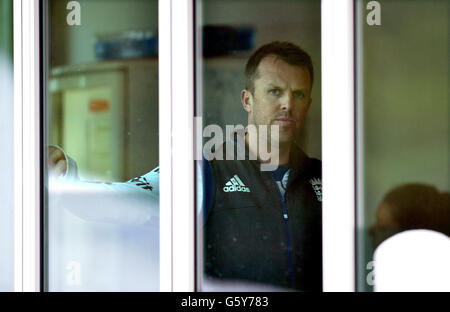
259,224
6,142
403,118
101,113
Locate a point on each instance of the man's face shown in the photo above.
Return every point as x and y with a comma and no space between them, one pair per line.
282,97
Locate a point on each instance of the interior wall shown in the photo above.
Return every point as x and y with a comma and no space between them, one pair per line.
75,44
406,99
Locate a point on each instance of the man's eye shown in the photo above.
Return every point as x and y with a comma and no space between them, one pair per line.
274,91
299,95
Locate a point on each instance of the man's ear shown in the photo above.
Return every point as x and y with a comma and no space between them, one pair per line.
247,100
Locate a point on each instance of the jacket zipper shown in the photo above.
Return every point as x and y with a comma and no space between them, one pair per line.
288,235
288,242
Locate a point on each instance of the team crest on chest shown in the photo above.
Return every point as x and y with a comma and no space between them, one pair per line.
316,184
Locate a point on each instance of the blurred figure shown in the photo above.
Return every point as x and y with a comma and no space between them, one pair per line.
411,206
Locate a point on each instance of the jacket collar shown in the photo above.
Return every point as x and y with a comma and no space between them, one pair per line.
298,160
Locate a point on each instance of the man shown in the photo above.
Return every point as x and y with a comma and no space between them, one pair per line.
269,233
266,229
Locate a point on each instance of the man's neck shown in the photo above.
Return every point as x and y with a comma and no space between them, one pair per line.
284,150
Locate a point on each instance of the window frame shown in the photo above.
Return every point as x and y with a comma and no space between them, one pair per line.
176,146
338,134
27,147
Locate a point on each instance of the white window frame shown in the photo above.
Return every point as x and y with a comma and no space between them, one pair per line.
176,145
338,145
27,201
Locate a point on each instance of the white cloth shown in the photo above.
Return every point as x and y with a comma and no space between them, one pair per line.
131,202
103,236
414,260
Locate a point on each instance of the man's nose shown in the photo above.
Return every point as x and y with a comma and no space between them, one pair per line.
286,102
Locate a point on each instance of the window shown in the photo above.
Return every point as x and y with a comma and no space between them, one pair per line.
259,229
101,143
402,128
117,109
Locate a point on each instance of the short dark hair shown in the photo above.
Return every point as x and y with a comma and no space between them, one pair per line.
287,51
419,206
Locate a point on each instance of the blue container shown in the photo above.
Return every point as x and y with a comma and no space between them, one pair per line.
226,40
127,45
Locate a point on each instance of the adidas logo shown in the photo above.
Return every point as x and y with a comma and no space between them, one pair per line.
235,185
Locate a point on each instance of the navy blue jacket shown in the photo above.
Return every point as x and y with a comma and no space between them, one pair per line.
254,233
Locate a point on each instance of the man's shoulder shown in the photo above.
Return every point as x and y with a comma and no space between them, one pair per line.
315,167
315,164
301,161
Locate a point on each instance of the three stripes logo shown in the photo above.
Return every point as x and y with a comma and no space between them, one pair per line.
143,183
235,185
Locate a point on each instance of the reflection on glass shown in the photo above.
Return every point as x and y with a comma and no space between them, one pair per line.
258,115
403,118
101,89
6,143
408,207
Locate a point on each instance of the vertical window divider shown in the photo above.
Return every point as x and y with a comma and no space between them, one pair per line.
176,107
27,160
338,146
360,214
17,30
165,142
183,145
